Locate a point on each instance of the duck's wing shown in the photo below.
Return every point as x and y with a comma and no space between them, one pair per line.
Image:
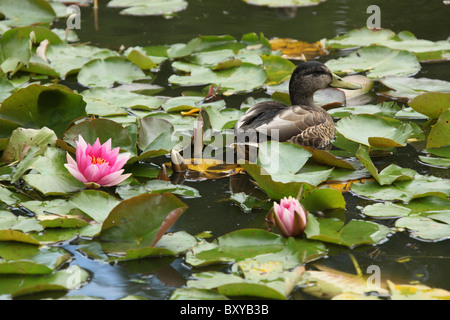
290,121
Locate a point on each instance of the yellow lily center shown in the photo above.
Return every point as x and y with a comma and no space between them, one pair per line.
97,160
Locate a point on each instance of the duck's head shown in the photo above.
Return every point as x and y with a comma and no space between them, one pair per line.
311,76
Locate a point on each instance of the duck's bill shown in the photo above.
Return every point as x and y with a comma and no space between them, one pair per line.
338,82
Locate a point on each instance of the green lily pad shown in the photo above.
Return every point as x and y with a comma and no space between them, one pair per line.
140,221
372,130
439,162
96,204
278,69
284,3
156,186
155,138
406,88
425,50
66,279
246,77
15,51
431,104
416,292
66,59
149,8
36,106
383,110
20,258
29,12
377,61
352,234
425,228
106,72
421,186
49,175
420,206
106,102
196,294
439,135
389,174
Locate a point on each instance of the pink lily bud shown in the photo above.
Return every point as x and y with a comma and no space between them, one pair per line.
289,216
97,165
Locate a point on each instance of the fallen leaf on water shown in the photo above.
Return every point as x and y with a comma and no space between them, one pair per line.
298,50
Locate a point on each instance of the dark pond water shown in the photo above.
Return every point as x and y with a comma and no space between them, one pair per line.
156,278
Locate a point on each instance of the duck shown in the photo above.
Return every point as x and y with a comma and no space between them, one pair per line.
303,123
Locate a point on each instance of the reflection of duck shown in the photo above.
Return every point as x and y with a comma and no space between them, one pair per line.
303,123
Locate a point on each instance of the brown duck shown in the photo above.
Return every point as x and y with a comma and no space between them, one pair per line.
303,123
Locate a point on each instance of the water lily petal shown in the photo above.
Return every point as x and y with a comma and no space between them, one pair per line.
113,178
74,171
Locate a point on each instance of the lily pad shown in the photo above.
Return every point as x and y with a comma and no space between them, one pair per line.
104,102
431,104
156,186
372,130
106,72
65,279
389,174
140,221
421,186
246,77
425,50
284,3
425,228
20,258
96,204
377,61
352,234
439,135
49,175
149,8
36,106
29,12
406,88
68,59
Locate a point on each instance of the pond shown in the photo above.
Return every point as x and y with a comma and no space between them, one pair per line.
400,255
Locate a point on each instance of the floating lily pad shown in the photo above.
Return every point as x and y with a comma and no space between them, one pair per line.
29,12
421,186
425,228
439,162
284,3
149,8
389,174
36,106
431,104
377,61
140,221
65,279
50,176
425,50
104,102
19,258
406,88
352,234
372,130
106,72
15,51
66,59
439,135
155,186
246,77
96,204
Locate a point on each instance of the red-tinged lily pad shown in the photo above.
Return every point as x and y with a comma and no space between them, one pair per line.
36,106
140,221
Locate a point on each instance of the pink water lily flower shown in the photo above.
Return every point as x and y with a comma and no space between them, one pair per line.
289,216
97,165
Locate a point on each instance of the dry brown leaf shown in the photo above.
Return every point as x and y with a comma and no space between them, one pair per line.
298,50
